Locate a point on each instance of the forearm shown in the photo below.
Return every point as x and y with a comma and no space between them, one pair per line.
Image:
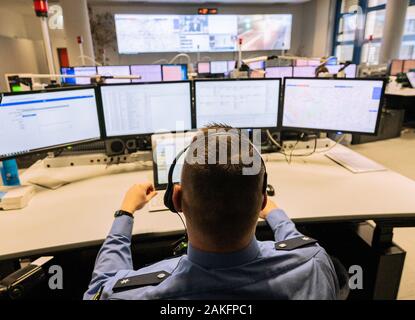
114,255
281,225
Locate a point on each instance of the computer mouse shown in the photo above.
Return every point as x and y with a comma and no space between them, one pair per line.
270,191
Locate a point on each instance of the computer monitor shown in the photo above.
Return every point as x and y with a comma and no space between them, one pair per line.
351,71
304,72
68,71
165,148
115,71
301,63
243,103
314,63
85,71
174,72
78,71
203,67
258,65
139,109
46,120
278,72
411,78
408,65
332,61
231,65
333,105
218,67
396,67
148,72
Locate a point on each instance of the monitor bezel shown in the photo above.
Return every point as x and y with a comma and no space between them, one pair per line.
243,79
379,115
60,146
102,120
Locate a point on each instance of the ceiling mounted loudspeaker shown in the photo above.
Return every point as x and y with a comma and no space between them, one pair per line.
114,147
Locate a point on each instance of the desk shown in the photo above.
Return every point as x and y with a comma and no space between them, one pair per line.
310,190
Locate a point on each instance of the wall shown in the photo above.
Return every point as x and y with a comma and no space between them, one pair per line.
21,45
308,18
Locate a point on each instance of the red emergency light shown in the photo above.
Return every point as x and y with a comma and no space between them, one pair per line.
207,11
41,7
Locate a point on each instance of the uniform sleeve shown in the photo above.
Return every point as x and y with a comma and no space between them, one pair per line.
282,226
114,255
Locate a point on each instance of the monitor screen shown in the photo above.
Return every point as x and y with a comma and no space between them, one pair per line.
174,72
238,103
333,105
203,67
85,71
68,72
411,78
146,108
304,72
166,147
314,63
350,71
396,67
408,65
333,69
115,71
46,120
332,61
279,72
139,33
78,71
301,63
231,65
257,65
217,67
148,72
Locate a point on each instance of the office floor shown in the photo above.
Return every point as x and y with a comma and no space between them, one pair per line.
399,155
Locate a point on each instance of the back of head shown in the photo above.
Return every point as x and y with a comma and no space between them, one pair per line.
222,198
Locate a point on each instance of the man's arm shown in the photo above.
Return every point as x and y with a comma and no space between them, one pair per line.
281,225
115,253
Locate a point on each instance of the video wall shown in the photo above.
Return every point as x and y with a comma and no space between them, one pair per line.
139,33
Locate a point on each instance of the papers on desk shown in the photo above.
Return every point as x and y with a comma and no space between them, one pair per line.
354,161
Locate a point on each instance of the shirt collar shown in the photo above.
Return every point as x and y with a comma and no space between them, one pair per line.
223,260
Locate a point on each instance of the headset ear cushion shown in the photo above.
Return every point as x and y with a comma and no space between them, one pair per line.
168,198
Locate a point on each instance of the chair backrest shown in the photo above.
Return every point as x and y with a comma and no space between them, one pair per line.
342,277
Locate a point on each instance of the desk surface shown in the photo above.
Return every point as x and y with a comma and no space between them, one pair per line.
311,189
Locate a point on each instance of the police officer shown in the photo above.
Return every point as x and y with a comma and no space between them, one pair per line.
224,260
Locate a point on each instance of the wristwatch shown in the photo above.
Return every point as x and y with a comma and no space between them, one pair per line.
121,213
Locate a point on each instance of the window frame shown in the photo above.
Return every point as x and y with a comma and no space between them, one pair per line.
359,40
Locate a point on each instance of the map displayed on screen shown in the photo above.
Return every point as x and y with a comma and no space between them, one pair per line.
139,33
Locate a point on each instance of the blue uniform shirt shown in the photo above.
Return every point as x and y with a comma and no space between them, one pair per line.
256,272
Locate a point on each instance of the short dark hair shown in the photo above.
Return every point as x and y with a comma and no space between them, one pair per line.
219,199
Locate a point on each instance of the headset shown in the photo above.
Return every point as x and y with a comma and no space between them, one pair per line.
168,196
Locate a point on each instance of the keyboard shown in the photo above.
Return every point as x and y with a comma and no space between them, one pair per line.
157,203
354,161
